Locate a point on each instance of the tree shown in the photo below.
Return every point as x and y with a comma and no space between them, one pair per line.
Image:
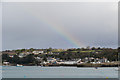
78,49
45,59
99,48
49,50
83,49
31,49
88,47
22,50
30,58
5,57
93,48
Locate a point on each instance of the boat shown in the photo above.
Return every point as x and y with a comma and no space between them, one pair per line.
96,67
18,65
117,69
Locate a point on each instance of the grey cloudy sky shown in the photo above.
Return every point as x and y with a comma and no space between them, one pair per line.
59,25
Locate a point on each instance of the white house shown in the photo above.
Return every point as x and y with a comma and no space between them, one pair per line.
5,63
11,56
51,60
38,52
21,55
70,62
104,60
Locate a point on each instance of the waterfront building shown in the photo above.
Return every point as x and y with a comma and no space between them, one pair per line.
38,52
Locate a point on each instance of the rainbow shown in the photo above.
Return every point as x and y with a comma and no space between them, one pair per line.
59,29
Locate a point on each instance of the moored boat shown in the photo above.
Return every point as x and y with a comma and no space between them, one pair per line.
19,65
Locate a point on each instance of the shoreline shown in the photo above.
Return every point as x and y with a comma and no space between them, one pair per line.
70,65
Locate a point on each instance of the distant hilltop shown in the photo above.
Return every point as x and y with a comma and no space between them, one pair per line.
52,56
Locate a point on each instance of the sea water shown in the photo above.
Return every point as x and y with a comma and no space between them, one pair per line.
58,72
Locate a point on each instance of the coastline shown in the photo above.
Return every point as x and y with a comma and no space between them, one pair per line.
71,65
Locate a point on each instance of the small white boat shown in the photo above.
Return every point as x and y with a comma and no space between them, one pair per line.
117,69
18,65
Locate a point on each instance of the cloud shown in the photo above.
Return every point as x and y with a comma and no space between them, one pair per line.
93,24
